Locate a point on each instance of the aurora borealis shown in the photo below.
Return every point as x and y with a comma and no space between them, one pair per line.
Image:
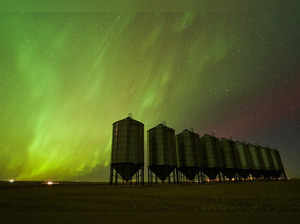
66,77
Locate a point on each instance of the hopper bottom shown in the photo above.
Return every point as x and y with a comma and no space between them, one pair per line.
268,173
229,173
256,173
272,173
189,172
126,170
211,173
162,171
277,174
244,173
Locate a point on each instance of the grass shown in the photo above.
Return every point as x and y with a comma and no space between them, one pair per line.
85,203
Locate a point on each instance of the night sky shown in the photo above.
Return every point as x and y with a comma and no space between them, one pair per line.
66,77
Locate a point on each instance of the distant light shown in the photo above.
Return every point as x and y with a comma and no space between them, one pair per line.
232,179
49,183
11,181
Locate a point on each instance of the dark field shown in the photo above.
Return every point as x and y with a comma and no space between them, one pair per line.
259,202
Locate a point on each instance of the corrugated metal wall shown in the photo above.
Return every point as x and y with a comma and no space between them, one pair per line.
128,142
162,146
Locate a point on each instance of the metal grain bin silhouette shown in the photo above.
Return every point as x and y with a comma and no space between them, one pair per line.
279,160
261,159
213,156
256,169
200,155
127,157
272,172
187,153
268,163
162,152
242,158
249,157
277,166
226,147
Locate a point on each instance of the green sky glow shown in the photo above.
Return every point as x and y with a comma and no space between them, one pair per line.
66,77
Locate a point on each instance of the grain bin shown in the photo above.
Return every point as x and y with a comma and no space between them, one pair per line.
272,171
226,147
267,160
279,160
127,157
249,157
256,170
214,163
242,159
261,159
162,153
277,167
187,153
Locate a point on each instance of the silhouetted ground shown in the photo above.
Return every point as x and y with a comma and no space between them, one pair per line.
261,202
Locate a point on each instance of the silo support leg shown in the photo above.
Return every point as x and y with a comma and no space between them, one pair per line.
142,174
220,176
116,177
111,176
173,174
284,175
136,178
